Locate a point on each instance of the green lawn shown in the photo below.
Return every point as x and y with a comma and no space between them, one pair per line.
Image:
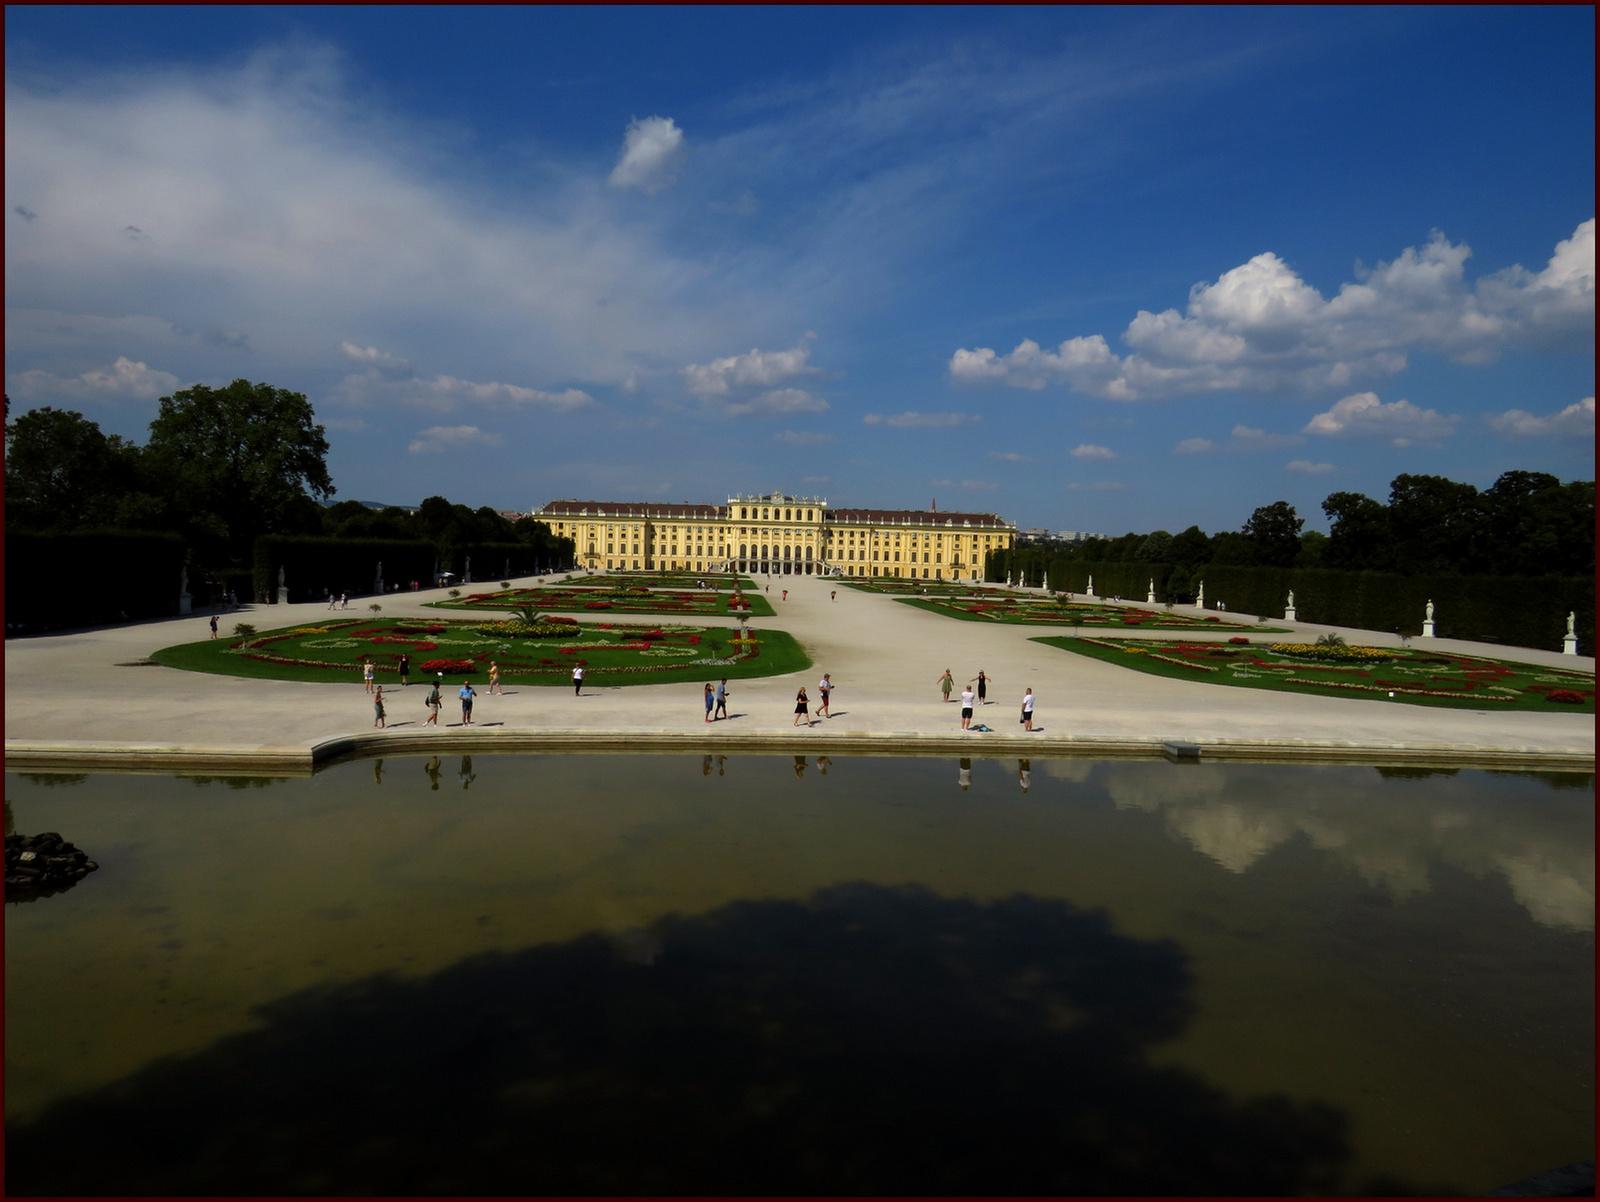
632,597
610,655
1414,676
1008,609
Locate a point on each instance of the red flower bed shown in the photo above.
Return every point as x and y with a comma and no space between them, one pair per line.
1565,696
1239,638
449,666
597,605
563,621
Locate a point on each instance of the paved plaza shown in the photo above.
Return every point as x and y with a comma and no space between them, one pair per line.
84,697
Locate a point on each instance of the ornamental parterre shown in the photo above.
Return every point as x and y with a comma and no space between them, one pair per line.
601,648
1403,674
1032,610
619,597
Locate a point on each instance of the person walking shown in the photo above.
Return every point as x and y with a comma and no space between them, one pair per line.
833,594
946,683
213,625
983,683
802,707
577,680
1027,710
467,694
405,670
711,701
494,679
377,708
722,699
824,691
966,708
433,703
369,673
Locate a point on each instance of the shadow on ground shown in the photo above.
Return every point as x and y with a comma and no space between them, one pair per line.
868,1041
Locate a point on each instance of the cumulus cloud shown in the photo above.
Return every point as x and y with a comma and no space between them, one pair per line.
919,421
1194,446
1260,328
1090,451
1575,421
124,380
802,438
1306,468
448,438
1400,423
372,355
755,368
652,149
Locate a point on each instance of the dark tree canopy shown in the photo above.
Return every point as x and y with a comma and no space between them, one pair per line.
1275,532
62,473
246,458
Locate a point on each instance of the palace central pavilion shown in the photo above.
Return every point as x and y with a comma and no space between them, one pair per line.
778,535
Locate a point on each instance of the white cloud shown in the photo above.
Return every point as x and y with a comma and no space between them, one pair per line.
1246,438
445,438
1401,423
777,401
756,368
1575,421
802,438
919,421
1009,457
450,437
124,380
445,394
1261,328
1306,468
1194,446
1090,451
373,356
652,149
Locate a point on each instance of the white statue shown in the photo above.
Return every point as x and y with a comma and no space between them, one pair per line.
280,575
1291,598
1428,613
1572,623
1200,596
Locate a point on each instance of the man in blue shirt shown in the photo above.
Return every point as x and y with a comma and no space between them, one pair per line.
466,702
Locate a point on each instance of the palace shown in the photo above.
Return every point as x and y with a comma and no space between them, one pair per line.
778,535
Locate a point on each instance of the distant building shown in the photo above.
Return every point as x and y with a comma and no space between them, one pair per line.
778,534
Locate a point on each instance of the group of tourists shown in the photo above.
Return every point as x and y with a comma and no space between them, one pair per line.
980,696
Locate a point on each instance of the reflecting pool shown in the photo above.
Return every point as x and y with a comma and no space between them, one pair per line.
789,974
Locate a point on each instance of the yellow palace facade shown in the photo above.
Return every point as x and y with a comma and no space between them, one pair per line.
778,535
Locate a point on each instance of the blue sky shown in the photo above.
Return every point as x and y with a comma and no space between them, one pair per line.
1105,269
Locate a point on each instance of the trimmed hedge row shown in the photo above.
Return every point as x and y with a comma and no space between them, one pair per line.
312,565
1523,611
92,577
490,560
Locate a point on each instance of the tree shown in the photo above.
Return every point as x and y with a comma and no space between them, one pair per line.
1230,547
1156,548
1534,525
1358,537
1275,532
243,459
1191,547
62,473
1313,547
1434,525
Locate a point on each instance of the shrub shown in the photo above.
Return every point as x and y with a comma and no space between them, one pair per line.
244,630
455,592
1564,696
1330,640
505,584
375,608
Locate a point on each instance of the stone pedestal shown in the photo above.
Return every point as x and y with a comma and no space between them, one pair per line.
1427,628
1569,644
1150,597
185,603
283,595
1089,592
1290,614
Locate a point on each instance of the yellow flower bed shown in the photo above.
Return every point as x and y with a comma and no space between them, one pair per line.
1334,654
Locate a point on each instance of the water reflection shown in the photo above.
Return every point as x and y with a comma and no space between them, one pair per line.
867,1040
432,769
964,773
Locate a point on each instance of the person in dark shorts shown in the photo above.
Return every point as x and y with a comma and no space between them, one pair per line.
722,699
467,694
377,708
405,670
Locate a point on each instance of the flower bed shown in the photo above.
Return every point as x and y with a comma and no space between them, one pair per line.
1463,681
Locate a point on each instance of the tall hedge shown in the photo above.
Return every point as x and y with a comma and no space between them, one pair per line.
91,577
489,559
312,565
1523,611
